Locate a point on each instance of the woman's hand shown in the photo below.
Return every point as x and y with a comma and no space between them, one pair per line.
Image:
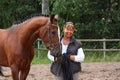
57,59
72,57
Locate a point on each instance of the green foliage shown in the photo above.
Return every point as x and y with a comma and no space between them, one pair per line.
12,11
92,18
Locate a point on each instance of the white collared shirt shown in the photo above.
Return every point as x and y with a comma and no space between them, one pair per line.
78,58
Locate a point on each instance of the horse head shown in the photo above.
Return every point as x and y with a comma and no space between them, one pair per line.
51,36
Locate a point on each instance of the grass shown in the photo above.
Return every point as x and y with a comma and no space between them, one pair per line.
89,57
42,59
37,60
99,57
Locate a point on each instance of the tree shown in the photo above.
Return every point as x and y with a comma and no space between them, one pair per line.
45,7
93,18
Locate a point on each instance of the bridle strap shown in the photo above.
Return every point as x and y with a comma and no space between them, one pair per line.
51,44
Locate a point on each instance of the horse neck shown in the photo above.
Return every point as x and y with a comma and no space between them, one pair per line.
33,38
30,31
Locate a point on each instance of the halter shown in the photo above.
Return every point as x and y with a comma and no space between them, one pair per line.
51,45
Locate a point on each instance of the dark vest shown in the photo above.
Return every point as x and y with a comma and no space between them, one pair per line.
72,49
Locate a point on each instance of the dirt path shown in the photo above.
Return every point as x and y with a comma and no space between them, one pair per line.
90,71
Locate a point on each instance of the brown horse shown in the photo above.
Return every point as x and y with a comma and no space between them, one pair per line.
16,50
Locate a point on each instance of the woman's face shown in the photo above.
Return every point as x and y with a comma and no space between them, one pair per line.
68,31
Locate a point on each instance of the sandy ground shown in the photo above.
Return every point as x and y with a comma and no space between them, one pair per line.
90,71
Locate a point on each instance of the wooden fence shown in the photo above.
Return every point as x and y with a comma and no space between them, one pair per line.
104,41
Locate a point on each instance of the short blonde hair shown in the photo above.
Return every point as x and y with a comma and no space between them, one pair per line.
69,24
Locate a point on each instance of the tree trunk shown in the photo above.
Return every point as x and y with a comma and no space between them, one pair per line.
45,7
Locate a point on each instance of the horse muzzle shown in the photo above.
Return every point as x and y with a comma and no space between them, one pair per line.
55,49
55,52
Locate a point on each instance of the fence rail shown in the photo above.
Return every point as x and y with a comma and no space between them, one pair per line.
104,41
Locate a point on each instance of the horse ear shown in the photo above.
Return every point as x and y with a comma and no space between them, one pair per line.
54,18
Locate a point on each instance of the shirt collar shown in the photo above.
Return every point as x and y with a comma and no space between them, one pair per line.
72,40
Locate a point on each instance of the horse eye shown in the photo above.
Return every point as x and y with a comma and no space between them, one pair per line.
53,33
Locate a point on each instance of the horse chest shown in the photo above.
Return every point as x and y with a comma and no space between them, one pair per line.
24,63
26,55
24,59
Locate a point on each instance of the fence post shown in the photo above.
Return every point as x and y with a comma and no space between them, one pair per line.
38,45
104,47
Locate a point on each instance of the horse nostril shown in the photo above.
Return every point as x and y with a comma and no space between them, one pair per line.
47,47
55,51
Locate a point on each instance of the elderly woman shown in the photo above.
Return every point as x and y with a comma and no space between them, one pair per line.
73,49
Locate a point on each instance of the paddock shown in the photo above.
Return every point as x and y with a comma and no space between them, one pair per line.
90,71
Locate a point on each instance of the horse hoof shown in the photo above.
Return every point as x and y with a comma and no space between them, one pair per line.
1,74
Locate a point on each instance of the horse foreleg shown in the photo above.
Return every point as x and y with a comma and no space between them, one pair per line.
24,73
15,72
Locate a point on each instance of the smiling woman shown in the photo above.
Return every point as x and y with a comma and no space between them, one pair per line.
70,27
72,53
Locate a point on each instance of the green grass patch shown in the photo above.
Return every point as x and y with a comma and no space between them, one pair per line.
42,59
99,57
89,57
37,60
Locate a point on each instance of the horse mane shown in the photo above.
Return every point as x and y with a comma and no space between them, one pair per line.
27,19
